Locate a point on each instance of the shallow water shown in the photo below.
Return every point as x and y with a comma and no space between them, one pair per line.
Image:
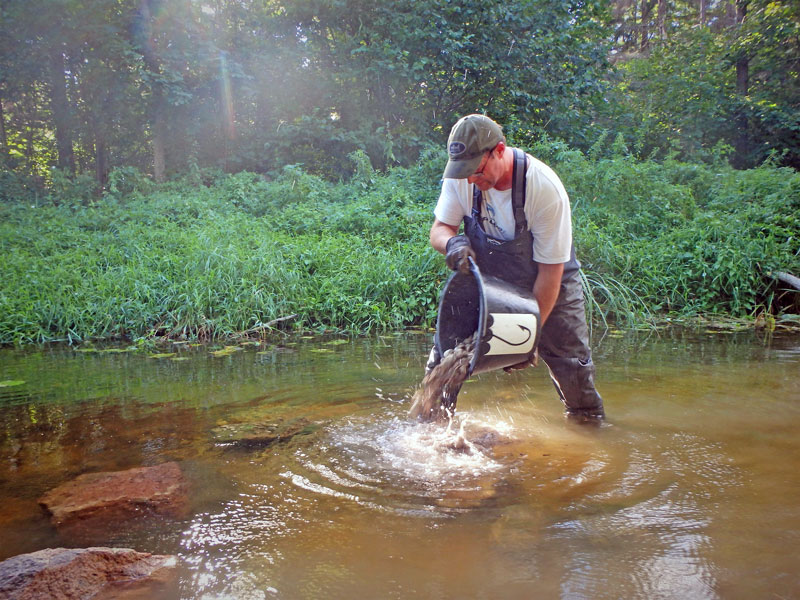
690,490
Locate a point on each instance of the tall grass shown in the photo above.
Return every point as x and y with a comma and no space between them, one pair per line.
210,262
680,238
212,254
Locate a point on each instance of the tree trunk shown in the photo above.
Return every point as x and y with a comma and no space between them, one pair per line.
100,161
662,18
742,89
61,113
158,134
31,114
703,12
3,135
100,153
645,27
226,110
157,103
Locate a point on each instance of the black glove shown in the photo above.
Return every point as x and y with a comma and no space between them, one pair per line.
532,362
458,251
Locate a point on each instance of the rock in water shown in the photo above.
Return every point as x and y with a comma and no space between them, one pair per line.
262,434
95,503
435,399
56,573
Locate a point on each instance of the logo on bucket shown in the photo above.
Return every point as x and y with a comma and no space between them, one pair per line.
512,333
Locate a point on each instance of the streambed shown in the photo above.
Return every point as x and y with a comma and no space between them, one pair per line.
688,491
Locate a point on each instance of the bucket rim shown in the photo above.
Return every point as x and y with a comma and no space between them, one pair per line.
476,272
482,310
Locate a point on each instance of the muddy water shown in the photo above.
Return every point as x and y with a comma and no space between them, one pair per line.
690,490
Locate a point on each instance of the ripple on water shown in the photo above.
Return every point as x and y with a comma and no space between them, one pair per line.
401,466
391,466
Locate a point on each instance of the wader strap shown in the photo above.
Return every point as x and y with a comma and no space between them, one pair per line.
519,183
477,200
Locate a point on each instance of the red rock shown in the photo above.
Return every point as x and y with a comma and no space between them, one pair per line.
103,500
107,573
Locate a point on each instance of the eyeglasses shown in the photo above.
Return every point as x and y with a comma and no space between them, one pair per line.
483,168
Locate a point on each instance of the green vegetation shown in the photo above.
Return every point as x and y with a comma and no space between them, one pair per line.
201,170
213,255
196,261
683,239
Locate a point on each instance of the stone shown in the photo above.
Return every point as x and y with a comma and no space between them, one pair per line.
94,502
480,438
487,438
262,434
97,573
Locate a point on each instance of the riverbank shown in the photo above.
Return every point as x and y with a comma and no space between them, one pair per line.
221,256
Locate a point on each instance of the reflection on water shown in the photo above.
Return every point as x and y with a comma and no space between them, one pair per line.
688,491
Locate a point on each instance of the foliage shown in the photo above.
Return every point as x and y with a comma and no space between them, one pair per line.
705,89
159,85
169,87
212,254
207,262
687,238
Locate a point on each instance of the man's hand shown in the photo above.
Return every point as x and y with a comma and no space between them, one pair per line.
524,364
458,251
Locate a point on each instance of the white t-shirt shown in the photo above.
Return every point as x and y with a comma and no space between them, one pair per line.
546,209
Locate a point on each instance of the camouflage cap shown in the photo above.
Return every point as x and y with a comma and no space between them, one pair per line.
470,138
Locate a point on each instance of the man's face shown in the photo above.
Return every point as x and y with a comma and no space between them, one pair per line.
487,173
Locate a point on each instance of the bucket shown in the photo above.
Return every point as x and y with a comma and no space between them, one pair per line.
506,317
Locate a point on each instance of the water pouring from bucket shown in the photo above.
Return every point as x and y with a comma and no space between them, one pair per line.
483,324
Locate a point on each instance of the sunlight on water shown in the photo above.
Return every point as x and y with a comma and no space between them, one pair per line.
688,491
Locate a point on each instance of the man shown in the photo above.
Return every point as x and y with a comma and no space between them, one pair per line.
518,227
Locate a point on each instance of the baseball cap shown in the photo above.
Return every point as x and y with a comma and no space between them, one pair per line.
469,139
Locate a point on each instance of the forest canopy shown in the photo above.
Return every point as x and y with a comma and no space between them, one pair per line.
171,86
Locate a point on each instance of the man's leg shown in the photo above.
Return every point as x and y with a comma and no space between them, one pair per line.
564,347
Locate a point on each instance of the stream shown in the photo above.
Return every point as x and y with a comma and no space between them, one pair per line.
690,489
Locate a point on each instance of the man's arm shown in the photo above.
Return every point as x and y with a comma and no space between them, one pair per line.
440,233
546,288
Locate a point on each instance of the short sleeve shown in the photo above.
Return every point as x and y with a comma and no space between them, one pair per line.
454,202
548,213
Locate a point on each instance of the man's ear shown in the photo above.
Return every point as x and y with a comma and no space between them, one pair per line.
500,148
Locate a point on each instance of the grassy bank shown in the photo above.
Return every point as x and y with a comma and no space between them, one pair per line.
209,255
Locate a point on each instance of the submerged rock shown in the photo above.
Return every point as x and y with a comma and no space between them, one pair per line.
96,502
261,434
487,438
98,573
476,438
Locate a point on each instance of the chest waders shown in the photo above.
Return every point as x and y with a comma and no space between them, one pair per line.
564,343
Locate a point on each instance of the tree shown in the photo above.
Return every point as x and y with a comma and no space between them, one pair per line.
733,83
60,107
405,70
742,62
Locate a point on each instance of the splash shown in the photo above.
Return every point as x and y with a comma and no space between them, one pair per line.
410,455
435,399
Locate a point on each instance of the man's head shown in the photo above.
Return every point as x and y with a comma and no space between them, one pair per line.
470,139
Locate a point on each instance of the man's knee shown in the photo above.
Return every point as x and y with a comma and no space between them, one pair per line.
573,379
